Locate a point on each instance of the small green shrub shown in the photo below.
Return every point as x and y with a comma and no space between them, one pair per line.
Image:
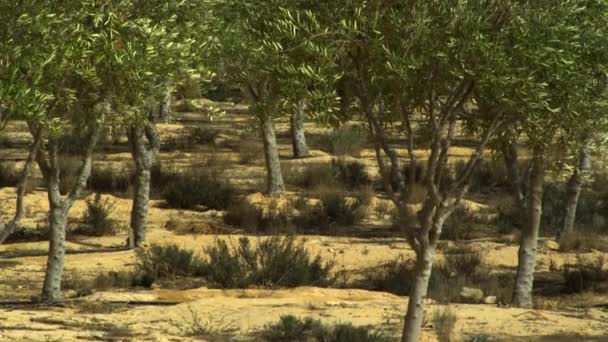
168,261
346,140
8,176
203,136
585,275
274,262
189,190
96,221
256,220
466,264
105,179
351,174
341,210
444,322
581,241
395,276
293,329
310,176
458,226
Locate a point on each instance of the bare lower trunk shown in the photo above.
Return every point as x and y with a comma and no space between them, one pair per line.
144,155
522,294
274,177
412,326
509,151
164,110
573,192
21,187
139,212
51,291
298,138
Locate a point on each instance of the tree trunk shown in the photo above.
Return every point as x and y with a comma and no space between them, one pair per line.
573,191
139,212
510,156
522,294
164,110
143,157
21,187
274,177
412,326
51,291
300,149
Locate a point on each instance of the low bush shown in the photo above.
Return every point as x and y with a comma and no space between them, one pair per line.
346,140
293,329
8,175
585,275
444,321
248,151
351,174
398,276
189,190
202,136
340,210
459,225
96,220
581,241
105,179
256,220
274,262
167,262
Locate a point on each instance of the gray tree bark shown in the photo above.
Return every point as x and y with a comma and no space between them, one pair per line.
274,177
164,110
298,137
59,210
573,189
8,229
511,158
144,156
522,293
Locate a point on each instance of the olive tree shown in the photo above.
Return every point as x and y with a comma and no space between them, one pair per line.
253,45
96,66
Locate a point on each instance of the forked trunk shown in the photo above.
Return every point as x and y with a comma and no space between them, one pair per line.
522,294
573,191
412,326
144,156
274,177
51,291
139,212
298,137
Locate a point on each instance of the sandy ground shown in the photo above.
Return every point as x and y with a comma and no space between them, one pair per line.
209,313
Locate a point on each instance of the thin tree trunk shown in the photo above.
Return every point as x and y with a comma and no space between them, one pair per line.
412,325
144,157
522,294
300,149
573,191
274,177
59,209
510,156
164,110
51,290
21,187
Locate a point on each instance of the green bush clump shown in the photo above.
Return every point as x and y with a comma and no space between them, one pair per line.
274,262
293,329
189,190
167,262
96,221
346,140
